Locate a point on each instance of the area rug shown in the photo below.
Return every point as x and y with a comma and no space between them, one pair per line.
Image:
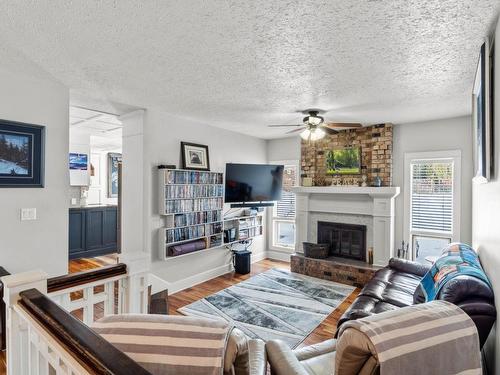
276,304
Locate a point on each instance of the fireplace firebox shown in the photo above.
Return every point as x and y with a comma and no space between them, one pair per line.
345,240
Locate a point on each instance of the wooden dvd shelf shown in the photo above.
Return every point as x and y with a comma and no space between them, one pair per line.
191,202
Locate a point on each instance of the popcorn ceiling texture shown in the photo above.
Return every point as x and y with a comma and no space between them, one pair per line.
376,155
242,65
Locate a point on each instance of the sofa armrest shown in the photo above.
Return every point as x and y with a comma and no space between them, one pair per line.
316,350
257,358
408,266
282,359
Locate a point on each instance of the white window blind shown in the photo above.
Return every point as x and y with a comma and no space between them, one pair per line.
432,195
285,208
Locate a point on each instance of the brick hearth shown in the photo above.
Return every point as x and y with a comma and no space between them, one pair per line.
340,270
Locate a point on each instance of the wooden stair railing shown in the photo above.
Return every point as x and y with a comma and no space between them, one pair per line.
55,284
90,349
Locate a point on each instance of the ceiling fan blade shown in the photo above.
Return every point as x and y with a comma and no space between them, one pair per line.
275,126
329,131
345,125
296,130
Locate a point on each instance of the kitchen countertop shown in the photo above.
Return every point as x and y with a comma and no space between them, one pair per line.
88,206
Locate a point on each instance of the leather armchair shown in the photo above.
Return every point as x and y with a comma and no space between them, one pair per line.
350,355
316,359
244,356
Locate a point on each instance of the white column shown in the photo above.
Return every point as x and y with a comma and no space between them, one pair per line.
383,230
136,284
301,221
18,346
132,214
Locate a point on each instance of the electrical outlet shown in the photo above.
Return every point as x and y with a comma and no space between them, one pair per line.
28,214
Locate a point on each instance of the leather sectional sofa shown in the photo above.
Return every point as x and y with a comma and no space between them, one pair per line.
395,286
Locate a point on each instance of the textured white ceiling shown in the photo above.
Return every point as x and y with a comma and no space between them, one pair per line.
244,64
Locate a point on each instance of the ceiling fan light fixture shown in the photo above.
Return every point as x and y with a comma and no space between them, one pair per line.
315,120
317,134
305,134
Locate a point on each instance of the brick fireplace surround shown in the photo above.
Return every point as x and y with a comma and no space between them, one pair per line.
369,206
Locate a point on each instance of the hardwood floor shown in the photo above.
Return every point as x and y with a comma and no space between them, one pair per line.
84,264
323,332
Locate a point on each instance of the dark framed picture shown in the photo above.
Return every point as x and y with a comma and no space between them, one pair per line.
481,116
195,156
114,160
21,154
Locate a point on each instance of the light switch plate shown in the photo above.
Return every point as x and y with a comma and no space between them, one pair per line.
28,214
73,201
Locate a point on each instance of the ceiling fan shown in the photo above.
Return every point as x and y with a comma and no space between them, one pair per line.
314,127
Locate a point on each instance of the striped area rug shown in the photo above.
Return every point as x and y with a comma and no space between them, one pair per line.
276,304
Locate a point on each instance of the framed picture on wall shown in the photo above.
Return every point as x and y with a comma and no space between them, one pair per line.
195,156
21,154
114,160
481,116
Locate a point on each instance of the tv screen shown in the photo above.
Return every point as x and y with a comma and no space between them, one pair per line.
253,182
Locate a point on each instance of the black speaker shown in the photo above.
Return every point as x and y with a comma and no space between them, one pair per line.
242,261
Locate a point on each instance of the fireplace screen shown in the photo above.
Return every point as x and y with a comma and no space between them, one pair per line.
345,240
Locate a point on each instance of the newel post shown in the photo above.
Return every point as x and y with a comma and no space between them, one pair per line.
18,346
135,298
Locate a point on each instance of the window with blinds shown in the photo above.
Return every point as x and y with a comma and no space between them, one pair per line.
432,195
285,208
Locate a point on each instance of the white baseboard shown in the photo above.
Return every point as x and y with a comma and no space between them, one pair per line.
188,282
159,284
258,256
278,255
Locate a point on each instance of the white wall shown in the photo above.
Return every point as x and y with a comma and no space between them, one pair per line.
42,243
162,136
283,149
486,220
437,135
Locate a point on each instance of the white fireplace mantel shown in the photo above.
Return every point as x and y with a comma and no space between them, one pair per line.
375,202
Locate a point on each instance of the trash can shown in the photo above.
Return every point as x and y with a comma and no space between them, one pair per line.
242,261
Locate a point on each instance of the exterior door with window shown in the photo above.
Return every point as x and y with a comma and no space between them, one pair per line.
283,221
432,203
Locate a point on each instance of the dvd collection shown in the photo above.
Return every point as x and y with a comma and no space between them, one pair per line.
188,233
193,191
194,218
189,205
193,177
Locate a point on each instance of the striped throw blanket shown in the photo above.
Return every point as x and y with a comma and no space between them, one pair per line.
168,344
432,338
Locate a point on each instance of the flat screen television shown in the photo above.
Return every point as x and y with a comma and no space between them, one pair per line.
253,183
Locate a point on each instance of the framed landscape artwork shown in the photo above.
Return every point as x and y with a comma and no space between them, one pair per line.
78,161
481,116
195,156
346,161
114,160
21,154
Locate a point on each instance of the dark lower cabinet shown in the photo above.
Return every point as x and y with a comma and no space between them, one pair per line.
92,231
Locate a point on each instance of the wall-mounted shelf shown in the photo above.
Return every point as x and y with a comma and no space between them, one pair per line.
191,203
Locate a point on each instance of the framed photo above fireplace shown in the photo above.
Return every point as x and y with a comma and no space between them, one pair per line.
21,154
195,156
345,161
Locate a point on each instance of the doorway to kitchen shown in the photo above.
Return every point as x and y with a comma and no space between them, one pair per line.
95,160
